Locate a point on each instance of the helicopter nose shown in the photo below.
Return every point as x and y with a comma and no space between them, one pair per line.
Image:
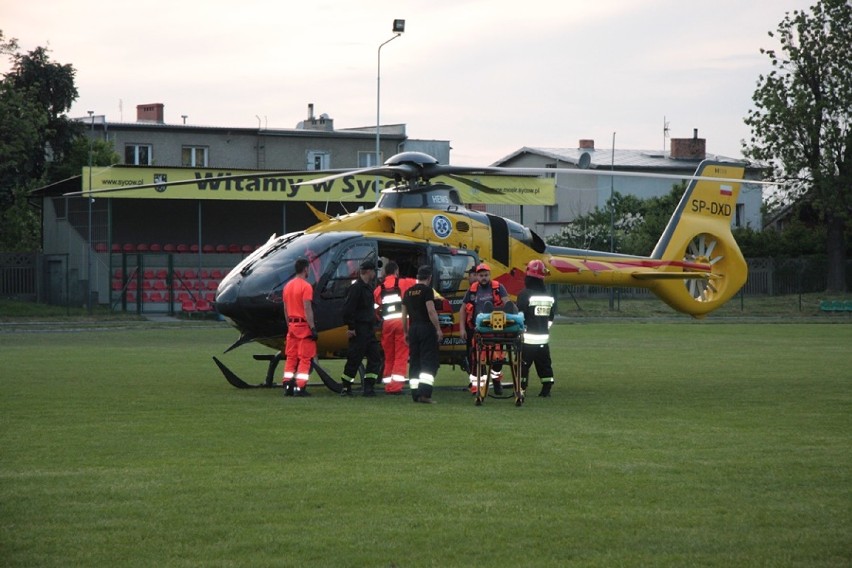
227,297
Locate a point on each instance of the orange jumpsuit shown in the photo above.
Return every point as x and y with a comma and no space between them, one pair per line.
388,295
301,348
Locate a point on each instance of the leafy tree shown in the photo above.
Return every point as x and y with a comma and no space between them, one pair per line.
802,126
35,136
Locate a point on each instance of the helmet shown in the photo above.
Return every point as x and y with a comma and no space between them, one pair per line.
483,267
537,269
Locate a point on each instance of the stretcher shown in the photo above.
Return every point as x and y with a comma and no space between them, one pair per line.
498,339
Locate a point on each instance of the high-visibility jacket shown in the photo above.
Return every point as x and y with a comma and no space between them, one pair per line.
470,305
388,295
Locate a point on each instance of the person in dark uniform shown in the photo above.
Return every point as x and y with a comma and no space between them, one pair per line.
539,308
423,335
360,319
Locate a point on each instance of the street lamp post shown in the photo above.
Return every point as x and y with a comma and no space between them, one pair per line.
89,201
398,29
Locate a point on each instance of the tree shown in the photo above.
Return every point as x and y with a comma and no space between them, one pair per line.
801,123
34,97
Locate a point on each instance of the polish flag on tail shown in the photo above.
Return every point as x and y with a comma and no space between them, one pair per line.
726,190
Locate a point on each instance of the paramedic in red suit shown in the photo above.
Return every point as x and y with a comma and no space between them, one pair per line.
483,293
301,345
388,295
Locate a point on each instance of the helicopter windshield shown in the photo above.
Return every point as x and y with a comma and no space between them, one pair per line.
265,273
433,197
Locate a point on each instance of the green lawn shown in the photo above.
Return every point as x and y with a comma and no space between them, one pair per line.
665,444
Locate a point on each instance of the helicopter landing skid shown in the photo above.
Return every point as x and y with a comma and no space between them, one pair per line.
237,382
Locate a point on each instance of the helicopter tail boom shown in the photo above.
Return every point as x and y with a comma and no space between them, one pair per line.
699,234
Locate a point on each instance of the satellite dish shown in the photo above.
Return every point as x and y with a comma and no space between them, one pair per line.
585,161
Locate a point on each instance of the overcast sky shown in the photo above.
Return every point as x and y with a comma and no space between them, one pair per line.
490,76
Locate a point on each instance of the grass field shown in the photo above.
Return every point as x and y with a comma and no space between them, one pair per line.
665,444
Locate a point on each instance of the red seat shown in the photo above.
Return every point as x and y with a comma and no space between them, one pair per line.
189,274
212,285
188,307
100,247
208,249
142,247
193,248
144,296
203,274
184,297
162,274
182,248
156,297
246,249
233,248
131,297
155,247
118,273
116,285
149,274
203,305
160,285
216,273
128,248
168,247
221,248
116,247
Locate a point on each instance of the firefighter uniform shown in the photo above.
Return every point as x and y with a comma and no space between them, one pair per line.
539,309
423,334
388,295
360,318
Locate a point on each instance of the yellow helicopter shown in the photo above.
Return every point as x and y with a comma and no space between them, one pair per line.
695,267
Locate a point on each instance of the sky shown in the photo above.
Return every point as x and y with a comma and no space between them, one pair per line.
490,76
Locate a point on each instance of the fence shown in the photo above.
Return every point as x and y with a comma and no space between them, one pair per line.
19,276
47,278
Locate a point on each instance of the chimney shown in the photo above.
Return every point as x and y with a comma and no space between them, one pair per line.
586,144
310,111
694,148
150,113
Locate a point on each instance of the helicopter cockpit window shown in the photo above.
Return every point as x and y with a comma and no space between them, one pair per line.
450,272
347,270
433,198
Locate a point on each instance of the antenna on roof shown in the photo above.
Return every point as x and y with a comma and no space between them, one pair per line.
665,133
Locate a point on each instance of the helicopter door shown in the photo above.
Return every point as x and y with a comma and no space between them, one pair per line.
340,274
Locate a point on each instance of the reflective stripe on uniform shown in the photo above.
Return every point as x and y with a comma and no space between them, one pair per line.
393,316
542,305
536,338
427,379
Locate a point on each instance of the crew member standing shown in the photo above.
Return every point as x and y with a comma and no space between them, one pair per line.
301,345
481,292
539,308
360,318
423,333
388,295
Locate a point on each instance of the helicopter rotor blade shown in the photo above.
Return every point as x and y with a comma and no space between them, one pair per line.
474,184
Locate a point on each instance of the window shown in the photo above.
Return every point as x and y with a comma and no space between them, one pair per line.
450,272
367,159
318,160
739,217
138,154
347,270
194,156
